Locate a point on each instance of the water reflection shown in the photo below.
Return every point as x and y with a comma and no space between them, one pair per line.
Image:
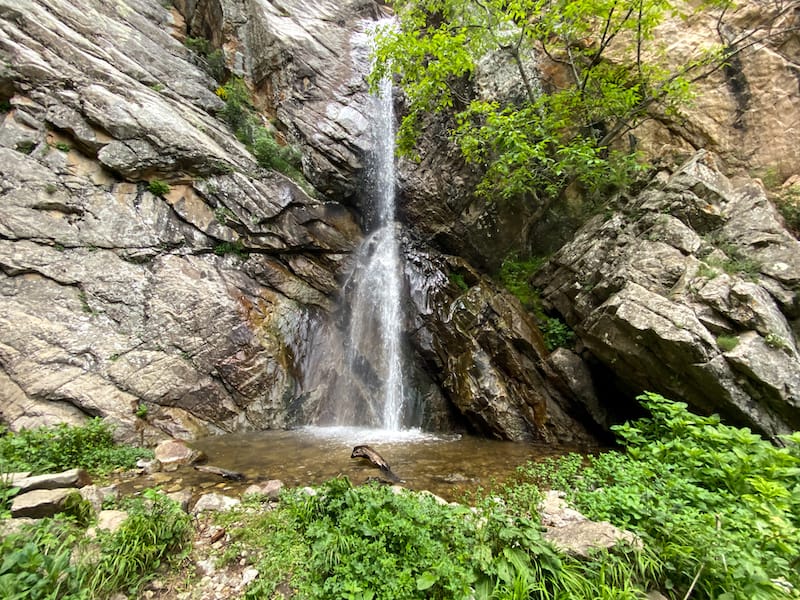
447,466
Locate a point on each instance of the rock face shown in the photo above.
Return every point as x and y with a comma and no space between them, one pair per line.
690,290
116,298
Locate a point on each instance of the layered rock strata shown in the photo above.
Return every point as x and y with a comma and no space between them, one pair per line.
690,289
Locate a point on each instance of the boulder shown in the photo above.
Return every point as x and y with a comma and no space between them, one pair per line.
97,496
108,520
39,504
571,532
75,478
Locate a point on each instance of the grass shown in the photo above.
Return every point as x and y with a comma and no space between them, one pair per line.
158,187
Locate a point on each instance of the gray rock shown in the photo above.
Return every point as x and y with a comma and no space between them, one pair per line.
214,502
72,478
271,489
97,496
571,532
39,504
108,520
649,299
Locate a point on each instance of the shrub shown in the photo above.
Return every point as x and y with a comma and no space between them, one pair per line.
65,446
158,187
715,502
556,333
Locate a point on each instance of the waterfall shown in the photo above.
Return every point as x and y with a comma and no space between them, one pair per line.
368,387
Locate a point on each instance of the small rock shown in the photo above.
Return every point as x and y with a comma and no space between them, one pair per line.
206,567
149,466
555,512
248,576
271,489
96,495
12,526
182,497
216,502
110,520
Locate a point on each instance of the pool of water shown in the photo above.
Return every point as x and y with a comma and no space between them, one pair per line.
445,465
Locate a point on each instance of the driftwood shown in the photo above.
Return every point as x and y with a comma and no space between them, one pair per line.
224,473
376,460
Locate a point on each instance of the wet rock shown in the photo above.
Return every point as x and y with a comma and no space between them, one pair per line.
214,502
149,466
650,305
39,504
75,478
175,453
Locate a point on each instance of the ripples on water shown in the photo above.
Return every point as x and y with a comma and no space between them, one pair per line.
445,465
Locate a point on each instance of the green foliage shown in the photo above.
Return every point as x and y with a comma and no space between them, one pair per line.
372,542
48,449
246,123
141,411
727,343
555,132
773,340
236,248
156,531
25,146
53,560
213,59
457,279
62,146
36,564
515,275
158,187
713,501
556,333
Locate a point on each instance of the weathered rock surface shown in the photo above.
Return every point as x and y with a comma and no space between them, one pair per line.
487,354
76,478
652,287
571,532
39,504
116,298
214,502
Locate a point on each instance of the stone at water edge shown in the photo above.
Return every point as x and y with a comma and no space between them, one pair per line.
96,495
271,489
72,478
214,502
175,453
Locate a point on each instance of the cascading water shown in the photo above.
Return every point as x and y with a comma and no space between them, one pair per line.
369,389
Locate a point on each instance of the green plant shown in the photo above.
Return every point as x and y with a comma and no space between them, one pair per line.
141,411
51,188
158,187
773,340
25,146
5,105
236,248
704,270
457,279
62,146
515,275
155,532
223,214
717,503
556,333
245,122
727,343
62,447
